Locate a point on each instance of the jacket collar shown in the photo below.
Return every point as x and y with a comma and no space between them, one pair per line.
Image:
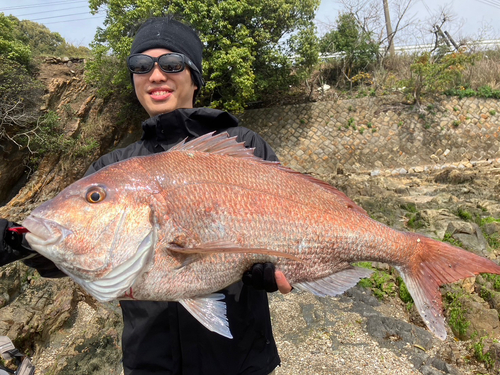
170,128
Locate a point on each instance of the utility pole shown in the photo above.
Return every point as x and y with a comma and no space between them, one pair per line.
388,27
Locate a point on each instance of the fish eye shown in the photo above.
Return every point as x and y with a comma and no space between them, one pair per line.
95,195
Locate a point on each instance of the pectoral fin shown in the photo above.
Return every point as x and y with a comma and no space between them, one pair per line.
218,247
209,311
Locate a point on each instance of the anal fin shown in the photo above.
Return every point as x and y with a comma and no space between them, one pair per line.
335,284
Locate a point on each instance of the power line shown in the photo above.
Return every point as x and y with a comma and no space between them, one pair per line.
494,4
50,11
78,19
63,15
427,7
40,5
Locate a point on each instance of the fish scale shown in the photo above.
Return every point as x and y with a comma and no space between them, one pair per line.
184,224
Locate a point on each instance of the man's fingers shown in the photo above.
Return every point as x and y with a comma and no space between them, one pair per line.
283,285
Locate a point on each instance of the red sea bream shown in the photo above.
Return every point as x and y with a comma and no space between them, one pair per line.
183,224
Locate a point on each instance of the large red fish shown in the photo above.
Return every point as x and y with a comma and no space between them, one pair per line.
181,225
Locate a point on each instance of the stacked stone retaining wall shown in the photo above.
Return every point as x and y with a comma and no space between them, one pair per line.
380,134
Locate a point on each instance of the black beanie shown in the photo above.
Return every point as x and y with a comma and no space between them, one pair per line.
165,32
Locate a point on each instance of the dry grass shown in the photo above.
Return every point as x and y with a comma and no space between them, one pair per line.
329,82
485,71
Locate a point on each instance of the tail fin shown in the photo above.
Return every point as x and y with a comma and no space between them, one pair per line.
439,263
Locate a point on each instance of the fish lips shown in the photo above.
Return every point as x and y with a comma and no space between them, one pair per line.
44,233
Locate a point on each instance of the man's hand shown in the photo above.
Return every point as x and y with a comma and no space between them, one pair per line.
11,248
263,276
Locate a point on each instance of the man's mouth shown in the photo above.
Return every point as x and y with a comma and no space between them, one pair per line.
160,92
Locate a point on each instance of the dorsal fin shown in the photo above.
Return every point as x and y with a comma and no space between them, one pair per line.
222,144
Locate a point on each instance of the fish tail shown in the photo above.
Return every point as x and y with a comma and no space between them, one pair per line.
436,263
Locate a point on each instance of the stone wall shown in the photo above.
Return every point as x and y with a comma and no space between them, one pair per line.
380,134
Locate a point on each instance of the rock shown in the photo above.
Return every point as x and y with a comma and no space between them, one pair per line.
470,235
494,301
436,220
454,176
428,370
483,321
492,228
440,365
493,349
393,332
10,282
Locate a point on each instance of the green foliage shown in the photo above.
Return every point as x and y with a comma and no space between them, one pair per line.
482,92
381,283
413,216
11,47
494,238
245,57
448,238
432,75
38,37
410,207
404,294
464,214
480,355
48,136
494,279
356,48
453,304
488,220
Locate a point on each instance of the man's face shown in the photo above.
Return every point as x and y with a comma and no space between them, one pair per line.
161,92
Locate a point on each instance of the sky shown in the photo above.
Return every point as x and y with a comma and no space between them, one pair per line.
72,19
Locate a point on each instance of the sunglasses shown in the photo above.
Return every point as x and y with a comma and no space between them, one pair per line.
169,63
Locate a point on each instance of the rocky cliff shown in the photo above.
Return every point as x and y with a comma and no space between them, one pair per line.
370,329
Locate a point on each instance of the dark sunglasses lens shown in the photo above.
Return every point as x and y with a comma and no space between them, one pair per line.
140,64
171,63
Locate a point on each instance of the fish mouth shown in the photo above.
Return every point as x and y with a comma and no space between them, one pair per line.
44,233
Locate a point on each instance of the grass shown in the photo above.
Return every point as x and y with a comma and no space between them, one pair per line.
456,313
448,238
480,355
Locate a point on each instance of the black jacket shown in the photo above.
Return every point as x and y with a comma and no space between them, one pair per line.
162,337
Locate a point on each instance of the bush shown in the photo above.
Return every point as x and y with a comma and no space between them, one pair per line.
433,75
20,97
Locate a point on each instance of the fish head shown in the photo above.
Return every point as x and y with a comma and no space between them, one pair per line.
101,231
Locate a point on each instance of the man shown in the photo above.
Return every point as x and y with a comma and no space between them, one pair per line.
162,337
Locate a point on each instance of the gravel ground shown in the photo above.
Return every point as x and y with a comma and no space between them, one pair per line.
320,336
340,347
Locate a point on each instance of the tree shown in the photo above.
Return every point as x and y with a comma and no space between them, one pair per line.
11,47
20,93
37,36
354,46
249,44
372,18
42,41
